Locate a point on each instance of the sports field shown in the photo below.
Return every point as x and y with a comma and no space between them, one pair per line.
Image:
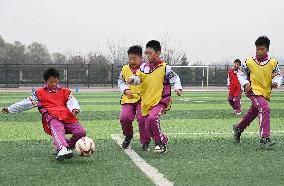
201,148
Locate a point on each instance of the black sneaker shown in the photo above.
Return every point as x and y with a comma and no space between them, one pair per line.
266,142
161,148
237,133
146,147
126,142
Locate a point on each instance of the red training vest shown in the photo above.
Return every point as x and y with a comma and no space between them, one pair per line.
55,104
235,86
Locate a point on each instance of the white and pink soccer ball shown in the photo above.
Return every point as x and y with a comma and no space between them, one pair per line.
85,146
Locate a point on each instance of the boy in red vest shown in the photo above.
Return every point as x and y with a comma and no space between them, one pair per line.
235,91
58,109
131,100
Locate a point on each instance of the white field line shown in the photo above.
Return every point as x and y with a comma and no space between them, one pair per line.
216,133
151,172
213,133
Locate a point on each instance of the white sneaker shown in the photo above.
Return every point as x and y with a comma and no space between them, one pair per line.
161,148
64,153
238,113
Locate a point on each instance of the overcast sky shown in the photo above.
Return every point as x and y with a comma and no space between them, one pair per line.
206,30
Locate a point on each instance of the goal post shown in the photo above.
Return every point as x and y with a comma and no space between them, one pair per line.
199,74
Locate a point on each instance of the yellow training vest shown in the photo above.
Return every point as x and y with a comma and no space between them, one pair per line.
126,73
152,88
261,76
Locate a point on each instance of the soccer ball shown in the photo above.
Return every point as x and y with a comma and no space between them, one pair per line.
85,146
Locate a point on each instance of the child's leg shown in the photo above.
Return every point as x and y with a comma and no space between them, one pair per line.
127,116
78,132
264,116
152,122
251,114
58,133
238,103
231,101
144,135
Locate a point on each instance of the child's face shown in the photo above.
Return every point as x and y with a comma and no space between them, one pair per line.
134,60
52,82
237,65
261,51
152,55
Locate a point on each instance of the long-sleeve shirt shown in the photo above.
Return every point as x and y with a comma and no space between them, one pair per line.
262,75
32,102
126,72
170,76
156,79
244,72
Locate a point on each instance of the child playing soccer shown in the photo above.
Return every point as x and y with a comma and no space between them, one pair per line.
155,78
259,75
235,92
131,101
58,108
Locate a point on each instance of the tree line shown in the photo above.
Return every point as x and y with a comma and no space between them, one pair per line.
37,53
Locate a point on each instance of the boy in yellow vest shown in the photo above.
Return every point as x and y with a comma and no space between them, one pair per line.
259,75
130,100
155,78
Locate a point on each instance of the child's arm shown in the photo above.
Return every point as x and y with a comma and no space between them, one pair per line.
242,74
123,87
174,80
277,77
23,105
73,105
228,79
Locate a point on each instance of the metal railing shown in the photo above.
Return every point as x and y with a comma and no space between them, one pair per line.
92,75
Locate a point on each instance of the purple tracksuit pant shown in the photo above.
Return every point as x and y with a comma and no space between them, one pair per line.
153,126
235,102
127,116
59,129
260,107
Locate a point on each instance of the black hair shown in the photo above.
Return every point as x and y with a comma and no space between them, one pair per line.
154,44
50,72
263,40
238,61
137,50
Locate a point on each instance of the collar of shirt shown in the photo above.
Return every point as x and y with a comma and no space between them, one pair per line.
263,62
155,64
58,87
134,70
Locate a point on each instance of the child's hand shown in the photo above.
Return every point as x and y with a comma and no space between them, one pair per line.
5,110
274,85
247,87
128,93
178,92
130,80
75,112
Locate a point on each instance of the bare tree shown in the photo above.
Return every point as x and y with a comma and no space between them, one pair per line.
117,52
76,59
171,52
37,54
58,58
